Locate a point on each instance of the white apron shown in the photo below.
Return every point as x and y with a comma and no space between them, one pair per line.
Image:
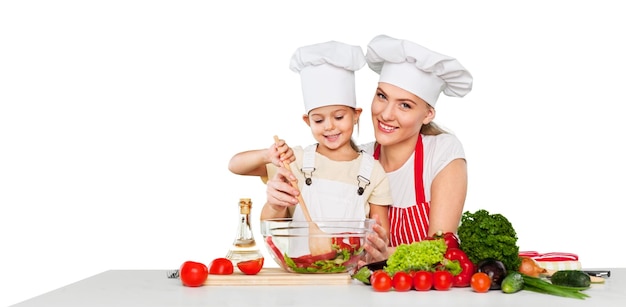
329,200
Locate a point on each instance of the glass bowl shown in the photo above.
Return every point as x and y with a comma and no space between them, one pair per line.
288,243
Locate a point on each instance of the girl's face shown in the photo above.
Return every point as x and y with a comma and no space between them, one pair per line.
398,115
332,126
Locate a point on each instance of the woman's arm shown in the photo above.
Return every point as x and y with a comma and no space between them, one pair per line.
382,212
448,192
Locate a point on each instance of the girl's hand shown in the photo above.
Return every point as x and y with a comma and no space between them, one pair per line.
280,152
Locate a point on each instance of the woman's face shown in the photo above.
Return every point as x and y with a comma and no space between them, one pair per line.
398,115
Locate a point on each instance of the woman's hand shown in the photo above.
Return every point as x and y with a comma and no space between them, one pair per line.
280,194
377,244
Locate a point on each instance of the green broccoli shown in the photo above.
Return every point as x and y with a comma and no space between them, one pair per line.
485,236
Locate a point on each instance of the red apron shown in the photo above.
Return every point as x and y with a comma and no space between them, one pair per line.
408,225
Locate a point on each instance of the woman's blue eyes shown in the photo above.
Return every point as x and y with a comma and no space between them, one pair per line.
402,105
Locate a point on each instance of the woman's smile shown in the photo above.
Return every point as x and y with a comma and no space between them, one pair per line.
386,128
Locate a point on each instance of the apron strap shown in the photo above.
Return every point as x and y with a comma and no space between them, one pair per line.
308,163
420,196
365,171
418,163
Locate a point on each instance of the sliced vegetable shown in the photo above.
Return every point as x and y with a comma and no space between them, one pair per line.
251,267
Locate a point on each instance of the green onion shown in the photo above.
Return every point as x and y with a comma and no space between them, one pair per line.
539,285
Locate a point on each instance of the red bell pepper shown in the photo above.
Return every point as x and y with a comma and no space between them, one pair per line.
464,277
452,241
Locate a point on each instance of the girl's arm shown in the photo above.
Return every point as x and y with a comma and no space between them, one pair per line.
448,192
252,162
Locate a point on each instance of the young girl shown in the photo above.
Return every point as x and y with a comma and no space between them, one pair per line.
337,180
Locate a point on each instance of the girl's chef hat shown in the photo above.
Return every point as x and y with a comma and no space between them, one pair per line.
327,73
416,69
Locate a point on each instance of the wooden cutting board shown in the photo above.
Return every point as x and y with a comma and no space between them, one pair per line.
277,277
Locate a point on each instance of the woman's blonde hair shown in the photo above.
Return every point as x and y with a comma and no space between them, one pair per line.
431,129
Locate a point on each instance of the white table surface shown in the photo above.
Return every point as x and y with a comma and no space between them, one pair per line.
152,288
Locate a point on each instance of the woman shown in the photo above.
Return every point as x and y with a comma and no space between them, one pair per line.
426,166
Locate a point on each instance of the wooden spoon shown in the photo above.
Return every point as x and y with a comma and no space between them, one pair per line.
319,244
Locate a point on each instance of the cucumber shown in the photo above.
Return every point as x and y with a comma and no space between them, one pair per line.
571,278
512,283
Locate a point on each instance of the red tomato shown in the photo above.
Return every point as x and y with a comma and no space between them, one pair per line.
402,281
442,280
381,281
250,267
480,282
221,266
193,274
423,280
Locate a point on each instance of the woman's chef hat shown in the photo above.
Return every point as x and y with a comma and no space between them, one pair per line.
416,69
327,73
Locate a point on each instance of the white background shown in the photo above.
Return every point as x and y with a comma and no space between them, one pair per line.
118,119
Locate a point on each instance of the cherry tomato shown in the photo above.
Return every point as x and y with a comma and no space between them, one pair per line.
221,266
442,280
251,267
423,280
480,282
402,281
193,274
381,281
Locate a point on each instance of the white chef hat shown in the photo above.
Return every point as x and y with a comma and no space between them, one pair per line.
416,69
327,73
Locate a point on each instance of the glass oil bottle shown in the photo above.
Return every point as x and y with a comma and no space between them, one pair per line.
244,246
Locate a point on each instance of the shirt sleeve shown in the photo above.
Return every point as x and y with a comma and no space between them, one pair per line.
447,148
